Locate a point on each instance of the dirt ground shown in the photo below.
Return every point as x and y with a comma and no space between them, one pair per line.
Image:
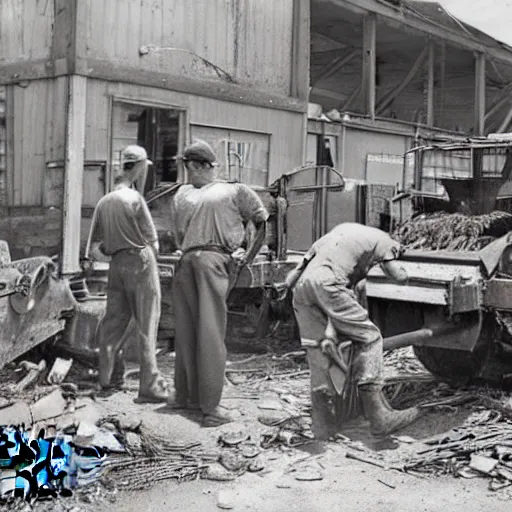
312,476
346,484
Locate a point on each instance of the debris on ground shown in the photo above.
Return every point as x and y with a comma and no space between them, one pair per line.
59,370
33,374
273,391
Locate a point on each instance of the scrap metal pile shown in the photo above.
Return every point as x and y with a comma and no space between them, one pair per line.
453,231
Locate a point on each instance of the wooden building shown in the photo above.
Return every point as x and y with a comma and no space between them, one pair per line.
391,74
79,79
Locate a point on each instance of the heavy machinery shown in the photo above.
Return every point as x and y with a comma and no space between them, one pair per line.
303,205
35,303
454,221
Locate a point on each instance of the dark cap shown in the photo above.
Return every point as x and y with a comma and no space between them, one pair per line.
200,151
134,153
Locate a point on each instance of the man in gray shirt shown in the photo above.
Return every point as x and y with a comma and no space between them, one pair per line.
324,285
208,218
123,229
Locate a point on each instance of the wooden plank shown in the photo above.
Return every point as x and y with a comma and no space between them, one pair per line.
424,295
498,104
26,70
105,70
11,29
301,49
63,30
430,83
369,63
334,66
479,124
73,174
324,93
9,143
19,146
390,97
353,95
442,80
506,122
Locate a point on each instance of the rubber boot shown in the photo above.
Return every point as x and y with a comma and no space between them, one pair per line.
383,419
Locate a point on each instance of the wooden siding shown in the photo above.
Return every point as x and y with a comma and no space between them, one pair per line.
38,137
285,128
25,30
249,39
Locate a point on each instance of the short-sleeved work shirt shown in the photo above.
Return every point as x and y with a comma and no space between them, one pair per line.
348,252
123,221
214,215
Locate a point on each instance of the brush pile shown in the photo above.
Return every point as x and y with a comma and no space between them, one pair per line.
452,231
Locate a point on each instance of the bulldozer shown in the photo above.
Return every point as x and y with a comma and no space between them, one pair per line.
454,219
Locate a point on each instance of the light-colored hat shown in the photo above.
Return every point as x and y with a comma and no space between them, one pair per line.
134,153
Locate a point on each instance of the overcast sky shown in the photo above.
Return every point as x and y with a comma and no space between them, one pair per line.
491,16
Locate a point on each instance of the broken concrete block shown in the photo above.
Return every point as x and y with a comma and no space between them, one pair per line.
482,464
50,406
59,370
88,434
106,439
16,414
85,433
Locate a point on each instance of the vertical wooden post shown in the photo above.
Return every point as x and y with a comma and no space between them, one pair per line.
299,82
73,174
369,63
430,83
442,79
479,125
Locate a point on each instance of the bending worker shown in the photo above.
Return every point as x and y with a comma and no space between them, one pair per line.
323,285
208,219
123,229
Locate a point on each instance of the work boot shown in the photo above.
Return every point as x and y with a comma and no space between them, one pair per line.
383,419
219,416
157,392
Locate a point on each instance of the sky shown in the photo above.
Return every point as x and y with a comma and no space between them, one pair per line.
491,16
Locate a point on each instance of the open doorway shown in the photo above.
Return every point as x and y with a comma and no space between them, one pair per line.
159,130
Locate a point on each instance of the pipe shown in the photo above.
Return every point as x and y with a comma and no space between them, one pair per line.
408,338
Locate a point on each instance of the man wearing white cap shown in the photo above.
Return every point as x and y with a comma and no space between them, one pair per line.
208,218
125,231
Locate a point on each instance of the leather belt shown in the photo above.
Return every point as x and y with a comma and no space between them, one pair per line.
210,248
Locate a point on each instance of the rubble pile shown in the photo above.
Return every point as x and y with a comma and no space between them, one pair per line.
452,231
